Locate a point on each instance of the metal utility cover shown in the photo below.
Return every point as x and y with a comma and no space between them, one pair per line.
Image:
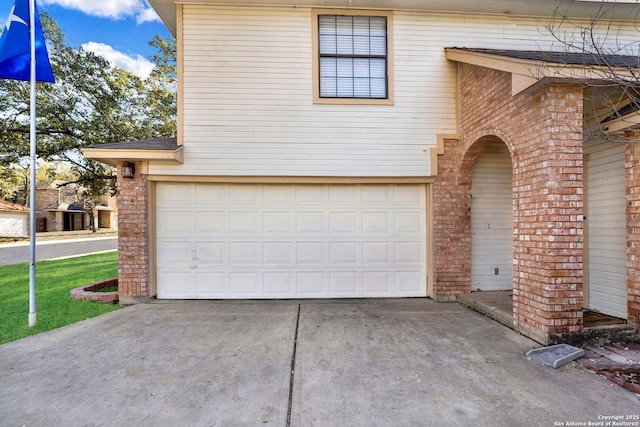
555,355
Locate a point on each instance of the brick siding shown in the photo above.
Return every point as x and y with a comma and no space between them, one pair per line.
632,174
542,130
133,246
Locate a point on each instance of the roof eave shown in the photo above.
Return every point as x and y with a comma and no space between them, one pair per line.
527,74
112,156
166,9
620,125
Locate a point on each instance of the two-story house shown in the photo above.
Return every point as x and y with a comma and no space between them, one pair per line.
376,148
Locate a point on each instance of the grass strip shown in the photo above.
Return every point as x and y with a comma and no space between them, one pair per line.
54,306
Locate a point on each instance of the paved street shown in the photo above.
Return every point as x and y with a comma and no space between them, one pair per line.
16,253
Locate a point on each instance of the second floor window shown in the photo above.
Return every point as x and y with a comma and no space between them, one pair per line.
353,56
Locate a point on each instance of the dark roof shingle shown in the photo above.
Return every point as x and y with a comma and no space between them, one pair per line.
567,58
149,144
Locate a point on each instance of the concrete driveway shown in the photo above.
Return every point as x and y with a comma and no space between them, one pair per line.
355,363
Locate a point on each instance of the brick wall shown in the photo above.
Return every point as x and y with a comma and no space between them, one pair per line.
451,228
542,130
133,246
632,171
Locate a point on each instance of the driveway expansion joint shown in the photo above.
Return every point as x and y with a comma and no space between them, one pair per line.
293,368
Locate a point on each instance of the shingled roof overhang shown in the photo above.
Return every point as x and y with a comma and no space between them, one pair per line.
530,68
165,150
623,120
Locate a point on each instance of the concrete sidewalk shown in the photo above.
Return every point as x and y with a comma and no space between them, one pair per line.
356,363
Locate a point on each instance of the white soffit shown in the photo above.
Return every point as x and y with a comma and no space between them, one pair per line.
620,9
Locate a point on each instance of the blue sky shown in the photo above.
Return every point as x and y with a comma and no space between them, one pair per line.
118,30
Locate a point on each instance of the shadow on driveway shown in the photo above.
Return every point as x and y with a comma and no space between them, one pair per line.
407,362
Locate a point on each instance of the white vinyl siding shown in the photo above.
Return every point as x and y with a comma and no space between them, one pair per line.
492,220
248,94
290,241
606,227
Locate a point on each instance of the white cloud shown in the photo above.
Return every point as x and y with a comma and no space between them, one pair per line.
147,15
136,64
114,9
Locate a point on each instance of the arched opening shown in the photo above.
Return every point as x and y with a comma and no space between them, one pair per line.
492,219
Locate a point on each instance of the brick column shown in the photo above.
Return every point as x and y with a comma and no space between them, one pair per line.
632,172
133,243
549,297
451,228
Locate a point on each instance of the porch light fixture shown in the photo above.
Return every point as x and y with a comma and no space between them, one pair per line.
128,170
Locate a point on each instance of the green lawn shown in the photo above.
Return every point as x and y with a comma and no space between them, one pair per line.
54,306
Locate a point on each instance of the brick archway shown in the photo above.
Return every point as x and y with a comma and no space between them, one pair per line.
543,130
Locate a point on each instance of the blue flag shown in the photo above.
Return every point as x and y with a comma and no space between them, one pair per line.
15,53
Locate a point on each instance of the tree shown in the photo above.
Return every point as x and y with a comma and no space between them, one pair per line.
91,103
609,43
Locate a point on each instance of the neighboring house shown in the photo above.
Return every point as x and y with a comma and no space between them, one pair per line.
330,149
14,219
58,209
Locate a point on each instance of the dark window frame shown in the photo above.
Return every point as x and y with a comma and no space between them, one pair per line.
386,58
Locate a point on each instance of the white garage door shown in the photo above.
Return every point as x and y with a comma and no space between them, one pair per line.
290,241
14,225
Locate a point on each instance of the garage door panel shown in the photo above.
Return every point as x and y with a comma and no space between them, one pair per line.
311,284
279,223
375,223
212,284
278,195
344,223
291,241
244,223
381,195
408,195
210,222
344,253
377,283
243,253
278,253
376,253
409,283
343,195
278,284
311,223
210,194
245,195
311,195
310,253
408,253
211,253
344,283
175,222
245,283
408,222
177,284
175,195
175,254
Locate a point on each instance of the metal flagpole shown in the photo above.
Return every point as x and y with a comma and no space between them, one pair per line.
32,195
